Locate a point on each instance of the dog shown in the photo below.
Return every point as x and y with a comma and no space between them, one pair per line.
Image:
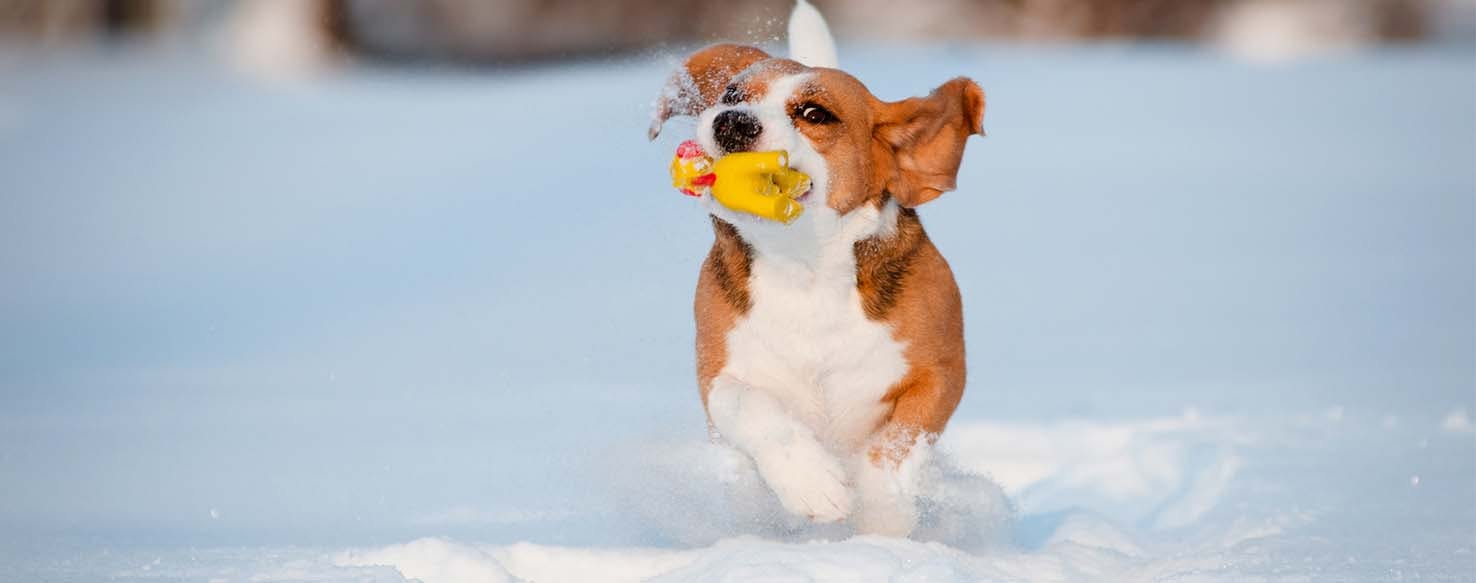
829,351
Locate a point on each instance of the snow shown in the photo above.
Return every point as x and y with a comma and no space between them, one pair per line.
400,324
432,560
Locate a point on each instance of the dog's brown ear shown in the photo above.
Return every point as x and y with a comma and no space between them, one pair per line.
926,136
700,81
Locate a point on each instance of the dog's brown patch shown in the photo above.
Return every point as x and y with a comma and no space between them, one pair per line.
722,297
882,264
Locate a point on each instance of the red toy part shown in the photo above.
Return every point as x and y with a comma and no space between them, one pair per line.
690,149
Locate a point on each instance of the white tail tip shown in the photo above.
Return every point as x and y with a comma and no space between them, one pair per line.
810,42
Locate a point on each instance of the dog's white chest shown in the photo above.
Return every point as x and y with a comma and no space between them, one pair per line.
807,342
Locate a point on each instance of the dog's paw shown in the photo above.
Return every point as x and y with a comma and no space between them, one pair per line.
809,482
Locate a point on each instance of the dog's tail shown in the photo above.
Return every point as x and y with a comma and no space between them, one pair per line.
810,42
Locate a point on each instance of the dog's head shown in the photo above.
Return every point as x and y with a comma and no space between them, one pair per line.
858,150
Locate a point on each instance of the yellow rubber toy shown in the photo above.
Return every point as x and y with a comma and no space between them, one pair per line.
758,183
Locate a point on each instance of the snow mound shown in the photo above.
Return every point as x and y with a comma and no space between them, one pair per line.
433,560
1081,485
1158,473
861,559
701,493
1083,548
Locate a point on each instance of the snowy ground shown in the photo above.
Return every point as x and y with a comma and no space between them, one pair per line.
436,325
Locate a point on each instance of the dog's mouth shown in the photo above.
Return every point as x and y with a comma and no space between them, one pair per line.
803,197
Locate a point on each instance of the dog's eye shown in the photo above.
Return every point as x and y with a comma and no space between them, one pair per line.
732,95
815,114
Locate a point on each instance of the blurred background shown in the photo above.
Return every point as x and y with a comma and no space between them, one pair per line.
283,33
292,272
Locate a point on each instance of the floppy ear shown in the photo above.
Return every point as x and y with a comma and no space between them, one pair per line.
698,84
926,137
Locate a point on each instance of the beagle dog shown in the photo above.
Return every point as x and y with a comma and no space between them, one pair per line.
831,350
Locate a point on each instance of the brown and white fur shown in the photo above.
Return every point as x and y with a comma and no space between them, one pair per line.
830,350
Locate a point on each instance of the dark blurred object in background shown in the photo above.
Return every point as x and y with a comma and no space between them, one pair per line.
305,32
52,21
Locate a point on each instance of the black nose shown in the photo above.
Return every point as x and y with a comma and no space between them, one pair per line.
735,131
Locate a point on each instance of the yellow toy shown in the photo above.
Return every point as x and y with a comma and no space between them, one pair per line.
758,183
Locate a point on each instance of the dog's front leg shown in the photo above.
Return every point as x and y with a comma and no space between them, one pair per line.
806,477
890,470
888,479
